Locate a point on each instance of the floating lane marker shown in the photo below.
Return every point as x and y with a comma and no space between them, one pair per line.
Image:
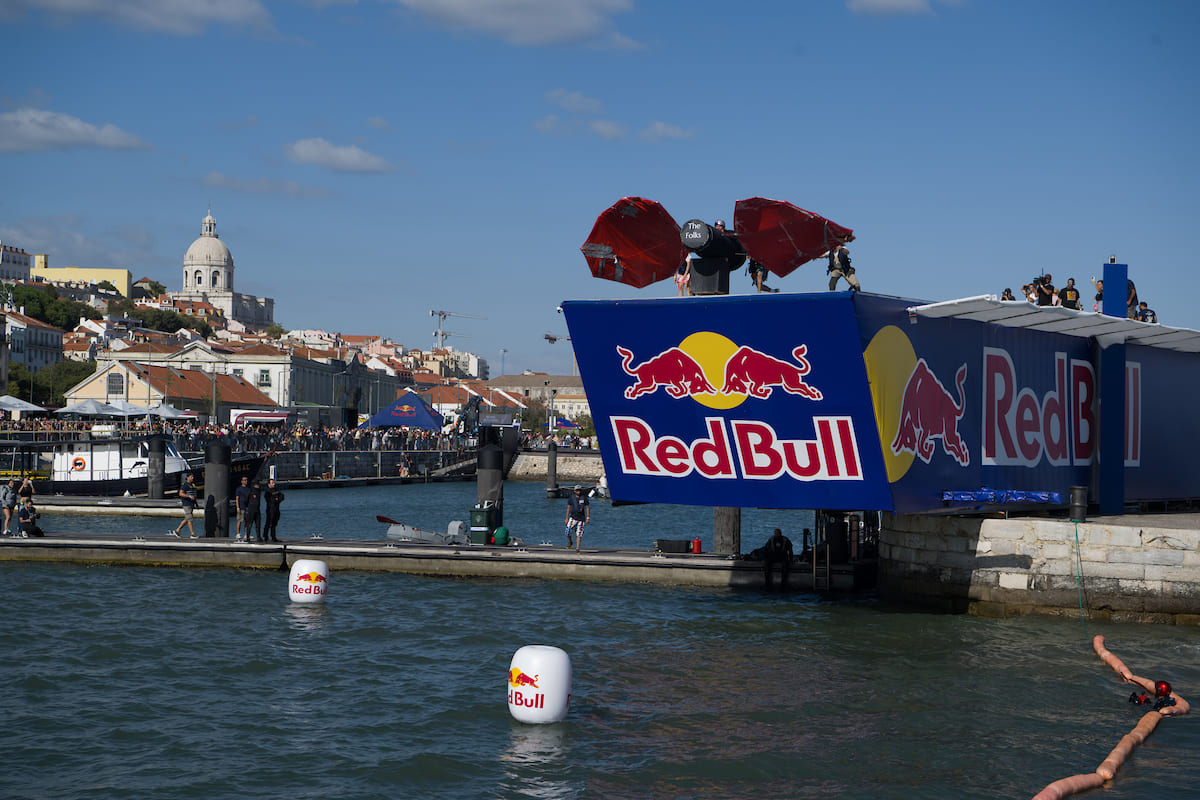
1166,704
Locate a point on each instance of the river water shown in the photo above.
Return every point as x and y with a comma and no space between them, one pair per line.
198,683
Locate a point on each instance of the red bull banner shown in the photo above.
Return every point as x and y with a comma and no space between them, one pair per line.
731,401
848,401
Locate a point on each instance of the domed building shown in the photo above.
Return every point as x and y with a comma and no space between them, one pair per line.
208,277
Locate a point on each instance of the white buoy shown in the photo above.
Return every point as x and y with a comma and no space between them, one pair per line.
539,684
310,581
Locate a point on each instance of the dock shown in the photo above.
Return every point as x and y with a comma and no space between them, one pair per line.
544,562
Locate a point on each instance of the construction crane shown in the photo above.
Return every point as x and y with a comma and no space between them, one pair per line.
551,338
440,335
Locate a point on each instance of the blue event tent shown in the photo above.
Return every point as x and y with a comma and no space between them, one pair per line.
409,411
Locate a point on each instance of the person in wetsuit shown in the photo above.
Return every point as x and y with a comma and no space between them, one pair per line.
777,550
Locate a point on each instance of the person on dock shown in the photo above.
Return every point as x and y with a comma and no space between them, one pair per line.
187,499
8,498
579,514
254,513
240,497
777,550
26,491
273,498
28,517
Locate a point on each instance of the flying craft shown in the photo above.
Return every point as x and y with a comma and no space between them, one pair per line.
637,242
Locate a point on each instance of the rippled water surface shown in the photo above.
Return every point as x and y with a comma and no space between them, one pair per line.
141,682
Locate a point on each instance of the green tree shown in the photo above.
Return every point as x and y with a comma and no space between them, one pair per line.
50,384
275,330
107,286
586,426
158,319
62,376
43,304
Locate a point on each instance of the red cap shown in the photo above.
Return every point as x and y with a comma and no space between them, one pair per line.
1162,689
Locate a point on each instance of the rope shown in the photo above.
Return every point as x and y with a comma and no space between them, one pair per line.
1079,579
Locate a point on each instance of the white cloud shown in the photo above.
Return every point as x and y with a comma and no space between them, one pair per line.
574,101
321,153
179,17
658,131
607,129
896,7
263,186
379,123
65,242
529,22
29,130
549,124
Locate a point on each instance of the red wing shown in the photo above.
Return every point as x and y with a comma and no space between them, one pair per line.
781,236
635,242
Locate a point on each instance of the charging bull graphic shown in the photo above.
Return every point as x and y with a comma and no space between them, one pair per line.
756,374
672,368
928,412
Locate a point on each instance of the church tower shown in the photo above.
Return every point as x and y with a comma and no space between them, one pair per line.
208,265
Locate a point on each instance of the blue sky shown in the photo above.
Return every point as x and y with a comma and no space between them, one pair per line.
370,161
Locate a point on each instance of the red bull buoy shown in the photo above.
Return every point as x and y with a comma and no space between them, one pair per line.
309,582
539,684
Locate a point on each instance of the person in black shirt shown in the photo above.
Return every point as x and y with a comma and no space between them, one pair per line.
254,513
1069,295
187,499
839,267
1045,291
273,497
777,550
579,514
1145,313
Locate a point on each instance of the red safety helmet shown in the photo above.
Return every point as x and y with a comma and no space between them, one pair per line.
1162,689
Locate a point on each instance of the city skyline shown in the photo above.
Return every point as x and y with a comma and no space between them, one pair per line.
370,161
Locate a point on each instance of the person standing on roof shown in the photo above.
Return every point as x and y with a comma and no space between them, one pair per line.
839,267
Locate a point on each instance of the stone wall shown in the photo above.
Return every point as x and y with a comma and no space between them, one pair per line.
569,467
1030,565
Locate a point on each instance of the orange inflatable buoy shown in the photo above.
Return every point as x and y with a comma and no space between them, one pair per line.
1149,721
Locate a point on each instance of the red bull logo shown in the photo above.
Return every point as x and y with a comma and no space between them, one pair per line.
517,680
314,581
745,372
756,374
927,412
673,369
735,448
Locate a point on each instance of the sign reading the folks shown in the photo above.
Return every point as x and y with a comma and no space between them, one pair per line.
757,401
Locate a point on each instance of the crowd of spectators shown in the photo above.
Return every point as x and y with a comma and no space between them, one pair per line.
1042,292
191,436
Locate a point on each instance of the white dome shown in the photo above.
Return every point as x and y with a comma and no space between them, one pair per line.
208,251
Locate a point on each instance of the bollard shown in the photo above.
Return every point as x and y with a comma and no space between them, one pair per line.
539,684
156,468
551,469
1079,498
217,460
309,581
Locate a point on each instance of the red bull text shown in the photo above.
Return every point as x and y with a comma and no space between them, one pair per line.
1062,425
314,581
741,448
518,680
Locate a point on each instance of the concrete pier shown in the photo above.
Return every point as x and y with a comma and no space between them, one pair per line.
1129,567
475,561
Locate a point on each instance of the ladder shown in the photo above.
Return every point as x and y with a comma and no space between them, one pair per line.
820,557
820,568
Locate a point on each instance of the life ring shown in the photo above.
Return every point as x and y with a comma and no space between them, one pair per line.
78,464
